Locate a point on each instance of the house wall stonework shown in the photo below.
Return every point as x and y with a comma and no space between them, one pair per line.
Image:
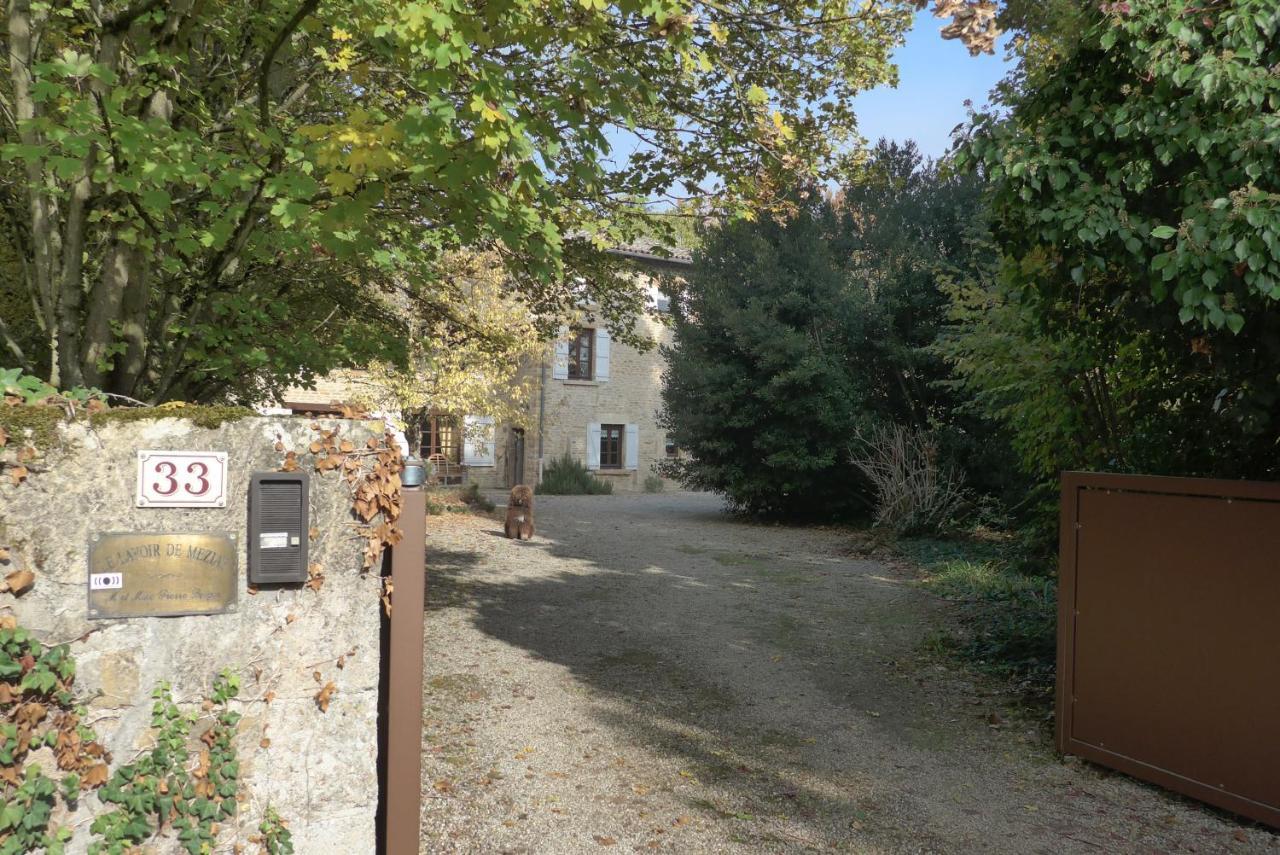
631,396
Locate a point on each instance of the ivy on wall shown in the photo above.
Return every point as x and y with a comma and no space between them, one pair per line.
38,711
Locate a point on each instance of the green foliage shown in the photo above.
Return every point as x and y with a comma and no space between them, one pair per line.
1135,200
1008,618
1148,161
654,484
757,388
38,711
29,389
25,817
190,227
565,476
792,337
159,790
276,838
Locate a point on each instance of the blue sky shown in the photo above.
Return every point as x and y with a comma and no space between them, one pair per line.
934,79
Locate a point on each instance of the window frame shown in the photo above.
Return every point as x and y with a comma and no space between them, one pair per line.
432,442
581,335
616,454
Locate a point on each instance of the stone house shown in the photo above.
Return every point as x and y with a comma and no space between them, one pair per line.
594,399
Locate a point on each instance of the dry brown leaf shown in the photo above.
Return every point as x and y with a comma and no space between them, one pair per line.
346,446
342,662
315,675
18,474
279,445
269,697
288,619
4,555
264,743
253,590
20,581
4,437
323,696
96,776
604,841
26,454
313,533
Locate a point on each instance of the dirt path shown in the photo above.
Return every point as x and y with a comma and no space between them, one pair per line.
653,675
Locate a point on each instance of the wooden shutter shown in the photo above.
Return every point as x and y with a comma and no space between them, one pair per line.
602,354
631,447
593,445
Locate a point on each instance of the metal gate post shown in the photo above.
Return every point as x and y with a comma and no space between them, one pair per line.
402,793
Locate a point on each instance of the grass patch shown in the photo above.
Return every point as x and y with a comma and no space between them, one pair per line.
1008,617
565,476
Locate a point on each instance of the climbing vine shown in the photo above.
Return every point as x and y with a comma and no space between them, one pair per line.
372,472
273,834
37,710
167,789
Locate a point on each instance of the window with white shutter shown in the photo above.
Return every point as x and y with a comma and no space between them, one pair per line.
631,447
478,441
593,445
602,354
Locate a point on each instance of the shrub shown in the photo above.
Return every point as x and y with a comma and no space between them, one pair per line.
654,484
472,496
915,492
565,476
457,500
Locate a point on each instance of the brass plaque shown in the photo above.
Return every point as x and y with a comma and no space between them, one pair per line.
154,574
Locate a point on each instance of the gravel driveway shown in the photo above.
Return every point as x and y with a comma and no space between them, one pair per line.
651,674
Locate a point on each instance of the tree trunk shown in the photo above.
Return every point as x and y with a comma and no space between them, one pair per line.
123,269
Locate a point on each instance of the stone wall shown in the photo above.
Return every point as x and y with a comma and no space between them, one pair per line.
317,768
631,395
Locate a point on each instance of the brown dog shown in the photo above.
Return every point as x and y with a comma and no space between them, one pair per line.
520,513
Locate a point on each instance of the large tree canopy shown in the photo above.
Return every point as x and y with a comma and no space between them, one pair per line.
1133,175
204,199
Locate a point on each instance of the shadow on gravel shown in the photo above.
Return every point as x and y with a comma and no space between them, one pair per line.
681,643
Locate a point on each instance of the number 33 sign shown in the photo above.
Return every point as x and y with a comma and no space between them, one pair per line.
182,479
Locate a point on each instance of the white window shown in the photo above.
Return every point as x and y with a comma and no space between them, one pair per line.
613,447
582,354
478,441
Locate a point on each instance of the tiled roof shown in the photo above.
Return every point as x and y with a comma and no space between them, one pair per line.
649,251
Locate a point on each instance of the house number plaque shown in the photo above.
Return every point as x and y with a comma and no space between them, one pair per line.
150,574
182,479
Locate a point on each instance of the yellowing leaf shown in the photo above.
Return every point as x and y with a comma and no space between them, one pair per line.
719,33
341,183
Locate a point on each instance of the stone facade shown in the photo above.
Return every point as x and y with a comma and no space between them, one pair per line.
570,410
564,412
317,769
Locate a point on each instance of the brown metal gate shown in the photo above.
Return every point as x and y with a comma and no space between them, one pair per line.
1169,634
